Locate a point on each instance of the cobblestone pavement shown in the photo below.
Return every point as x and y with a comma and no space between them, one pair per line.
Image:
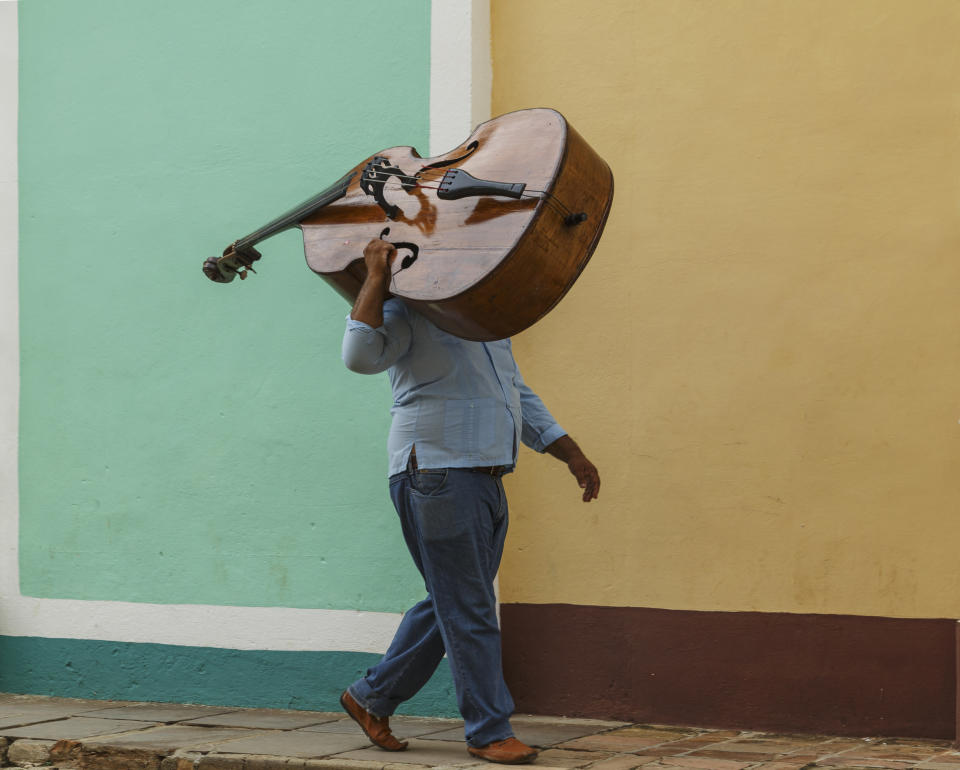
112,735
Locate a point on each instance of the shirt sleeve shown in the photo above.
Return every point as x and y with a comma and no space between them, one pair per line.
539,429
367,350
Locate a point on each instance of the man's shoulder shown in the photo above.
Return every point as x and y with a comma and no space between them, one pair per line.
396,310
395,305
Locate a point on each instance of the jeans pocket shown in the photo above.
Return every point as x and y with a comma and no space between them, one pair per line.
501,502
428,483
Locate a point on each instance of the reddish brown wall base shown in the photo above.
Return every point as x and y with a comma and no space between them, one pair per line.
839,674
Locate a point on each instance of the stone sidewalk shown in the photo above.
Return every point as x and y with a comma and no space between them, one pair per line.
112,735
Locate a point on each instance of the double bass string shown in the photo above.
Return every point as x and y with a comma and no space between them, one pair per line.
435,175
555,203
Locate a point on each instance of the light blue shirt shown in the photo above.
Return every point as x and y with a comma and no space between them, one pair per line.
462,404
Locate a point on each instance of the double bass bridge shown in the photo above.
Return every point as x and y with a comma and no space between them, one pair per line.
455,183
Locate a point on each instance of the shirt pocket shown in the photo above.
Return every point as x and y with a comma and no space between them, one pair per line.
470,425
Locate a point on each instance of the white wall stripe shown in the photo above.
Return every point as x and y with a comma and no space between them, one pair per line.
237,628
459,49
9,307
460,71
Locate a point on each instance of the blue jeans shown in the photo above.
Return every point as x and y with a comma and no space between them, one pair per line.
454,523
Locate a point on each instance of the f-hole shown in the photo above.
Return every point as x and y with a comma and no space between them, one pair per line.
414,250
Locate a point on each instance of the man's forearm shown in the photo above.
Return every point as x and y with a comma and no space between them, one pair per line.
377,256
564,448
373,293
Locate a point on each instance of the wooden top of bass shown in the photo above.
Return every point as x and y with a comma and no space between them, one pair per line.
490,235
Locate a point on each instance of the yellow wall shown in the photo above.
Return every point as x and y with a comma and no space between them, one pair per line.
763,357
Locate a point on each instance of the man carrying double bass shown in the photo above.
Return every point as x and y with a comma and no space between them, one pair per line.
460,410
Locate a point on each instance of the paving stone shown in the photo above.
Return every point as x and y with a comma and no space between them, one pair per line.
477,765
899,751
836,746
857,767
413,727
263,762
533,733
28,750
21,720
662,733
402,727
420,751
335,763
269,719
450,734
76,728
30,713
179,763
76,755
168,738
296,743
845,761
224,762
945,744
938,764
703,763
619,744
624,762
546,735
748,757
341,725
783,764
797,760
536,763
759,748
701,739
398,766
798,738
158,712
662,750
564,758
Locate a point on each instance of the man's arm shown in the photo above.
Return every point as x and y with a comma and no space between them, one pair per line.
378,255
542,433
375,337
567,450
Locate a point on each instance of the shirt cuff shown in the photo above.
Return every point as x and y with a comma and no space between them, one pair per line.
359,325
550,435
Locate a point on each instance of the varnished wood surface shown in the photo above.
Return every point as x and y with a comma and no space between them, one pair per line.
488,266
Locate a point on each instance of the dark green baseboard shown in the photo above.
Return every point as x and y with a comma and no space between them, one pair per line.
88,668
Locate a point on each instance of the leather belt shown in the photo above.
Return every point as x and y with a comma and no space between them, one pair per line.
486,470
490,470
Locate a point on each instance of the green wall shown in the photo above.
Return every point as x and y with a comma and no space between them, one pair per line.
181,441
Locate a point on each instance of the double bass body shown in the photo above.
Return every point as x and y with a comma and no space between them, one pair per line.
490,236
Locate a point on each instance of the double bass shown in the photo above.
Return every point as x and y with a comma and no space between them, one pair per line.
489,236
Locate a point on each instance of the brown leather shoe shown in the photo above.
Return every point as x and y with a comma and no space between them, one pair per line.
376,728
507,752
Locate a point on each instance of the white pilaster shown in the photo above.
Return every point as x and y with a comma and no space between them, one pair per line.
9,305
460,71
